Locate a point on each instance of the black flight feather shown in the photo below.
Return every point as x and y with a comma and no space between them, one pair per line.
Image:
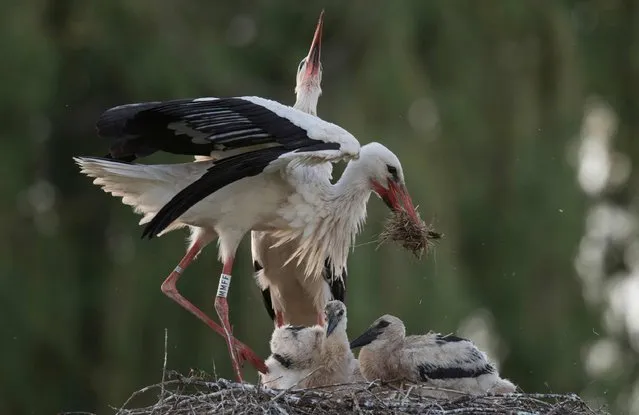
222,173
337,285
268,303
195,127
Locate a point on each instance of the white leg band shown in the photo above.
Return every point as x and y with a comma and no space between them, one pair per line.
223,286
178,269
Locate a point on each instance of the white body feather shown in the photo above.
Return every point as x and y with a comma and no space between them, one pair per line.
395,357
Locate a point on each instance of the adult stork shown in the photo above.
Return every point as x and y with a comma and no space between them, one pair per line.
264,185
289,297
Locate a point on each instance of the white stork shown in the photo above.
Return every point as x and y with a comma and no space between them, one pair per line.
433,359
289,297
263,185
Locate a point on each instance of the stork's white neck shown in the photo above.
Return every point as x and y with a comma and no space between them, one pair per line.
307,97
338,212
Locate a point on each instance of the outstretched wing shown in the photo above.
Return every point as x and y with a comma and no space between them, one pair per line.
264,131
205,125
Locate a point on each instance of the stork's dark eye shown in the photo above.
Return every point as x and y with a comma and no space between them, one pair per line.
392,170
341,313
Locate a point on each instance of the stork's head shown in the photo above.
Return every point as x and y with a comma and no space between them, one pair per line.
309,74
335,314
387,178
387,328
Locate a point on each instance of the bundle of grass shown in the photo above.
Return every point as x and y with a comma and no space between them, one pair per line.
195,396
414,237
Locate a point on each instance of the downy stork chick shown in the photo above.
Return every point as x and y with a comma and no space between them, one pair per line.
447,362
294,351
336,364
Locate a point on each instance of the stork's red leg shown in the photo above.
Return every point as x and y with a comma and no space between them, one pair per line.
222,308
169,288
279,319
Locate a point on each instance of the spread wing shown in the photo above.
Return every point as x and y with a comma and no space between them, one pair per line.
261,132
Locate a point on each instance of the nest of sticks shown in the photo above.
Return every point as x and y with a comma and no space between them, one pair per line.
415,237
197,395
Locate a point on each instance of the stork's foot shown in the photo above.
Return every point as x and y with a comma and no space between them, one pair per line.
244,353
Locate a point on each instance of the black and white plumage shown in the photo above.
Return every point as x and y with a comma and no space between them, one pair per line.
265,185
262,135
447,362
253,188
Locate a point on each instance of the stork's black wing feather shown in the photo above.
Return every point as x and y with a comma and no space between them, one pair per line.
337,285
222,173
195,127
266,293
268,303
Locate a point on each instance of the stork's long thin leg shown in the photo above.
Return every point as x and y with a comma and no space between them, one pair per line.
222,308
169,288
279,319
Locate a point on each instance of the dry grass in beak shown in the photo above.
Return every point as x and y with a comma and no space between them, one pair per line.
417,238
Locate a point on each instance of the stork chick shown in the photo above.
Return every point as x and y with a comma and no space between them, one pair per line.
447,362
294,350
336,364
312,356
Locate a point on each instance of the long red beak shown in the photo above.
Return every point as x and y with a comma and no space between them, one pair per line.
314,54
396,198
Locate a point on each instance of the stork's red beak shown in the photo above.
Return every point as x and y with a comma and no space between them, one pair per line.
396,197
313,58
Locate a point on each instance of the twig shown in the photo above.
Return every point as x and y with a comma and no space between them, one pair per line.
166,343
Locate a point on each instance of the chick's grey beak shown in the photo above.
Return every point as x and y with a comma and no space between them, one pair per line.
332,323
365,338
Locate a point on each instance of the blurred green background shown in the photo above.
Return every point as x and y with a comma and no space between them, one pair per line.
517,123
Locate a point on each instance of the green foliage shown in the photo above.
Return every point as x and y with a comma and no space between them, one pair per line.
480,100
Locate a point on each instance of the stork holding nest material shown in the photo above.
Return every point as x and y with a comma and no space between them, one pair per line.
448,362
264,185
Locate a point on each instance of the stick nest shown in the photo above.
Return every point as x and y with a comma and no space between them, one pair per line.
414,237
196,395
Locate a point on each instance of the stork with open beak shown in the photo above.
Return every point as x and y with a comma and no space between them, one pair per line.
265,183
289,297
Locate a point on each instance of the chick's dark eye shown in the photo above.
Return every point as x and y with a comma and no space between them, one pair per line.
383,324
341,313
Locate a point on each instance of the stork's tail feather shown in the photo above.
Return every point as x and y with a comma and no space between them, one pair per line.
145,187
